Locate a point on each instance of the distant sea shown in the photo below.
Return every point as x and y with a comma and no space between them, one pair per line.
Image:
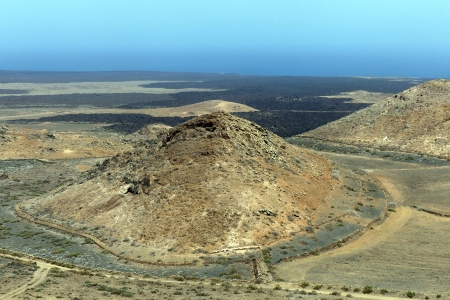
274,64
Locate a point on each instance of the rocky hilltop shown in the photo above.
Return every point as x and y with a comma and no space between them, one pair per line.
415,121
212,183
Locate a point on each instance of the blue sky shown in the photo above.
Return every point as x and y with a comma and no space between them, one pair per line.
278,37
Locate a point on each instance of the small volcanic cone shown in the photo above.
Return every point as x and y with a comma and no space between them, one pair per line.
214,182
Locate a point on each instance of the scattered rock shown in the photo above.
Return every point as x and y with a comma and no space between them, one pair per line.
352,212
335,174
392,205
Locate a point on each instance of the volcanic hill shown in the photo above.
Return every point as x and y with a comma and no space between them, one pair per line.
415,121
214,182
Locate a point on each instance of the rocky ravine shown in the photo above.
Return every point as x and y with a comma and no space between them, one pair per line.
214,182
415,121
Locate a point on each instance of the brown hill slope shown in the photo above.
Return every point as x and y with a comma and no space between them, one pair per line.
214,182
416,121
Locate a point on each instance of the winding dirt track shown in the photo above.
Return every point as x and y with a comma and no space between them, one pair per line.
44,268
297,270
39,276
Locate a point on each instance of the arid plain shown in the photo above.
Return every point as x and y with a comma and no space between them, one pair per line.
376,227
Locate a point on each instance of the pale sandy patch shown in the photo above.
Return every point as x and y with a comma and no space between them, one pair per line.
84,167
196,109
361,96
93,88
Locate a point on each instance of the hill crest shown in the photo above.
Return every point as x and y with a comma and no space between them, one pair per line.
214,182
416,121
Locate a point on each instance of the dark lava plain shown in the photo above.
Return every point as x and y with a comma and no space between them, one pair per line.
287,105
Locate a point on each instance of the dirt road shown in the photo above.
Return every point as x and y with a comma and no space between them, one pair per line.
44,268
406,252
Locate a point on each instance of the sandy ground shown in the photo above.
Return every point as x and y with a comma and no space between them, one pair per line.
60,126
26,143
56,282
196,109
92,88
201,108
77,140
361,96
406,252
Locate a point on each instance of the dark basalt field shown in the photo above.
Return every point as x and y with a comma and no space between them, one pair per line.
287,105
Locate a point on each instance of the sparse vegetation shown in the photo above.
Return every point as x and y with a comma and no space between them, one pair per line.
317,287
410,294
113,291
266,255
74,254
233,274
28,234
304,284
335,293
